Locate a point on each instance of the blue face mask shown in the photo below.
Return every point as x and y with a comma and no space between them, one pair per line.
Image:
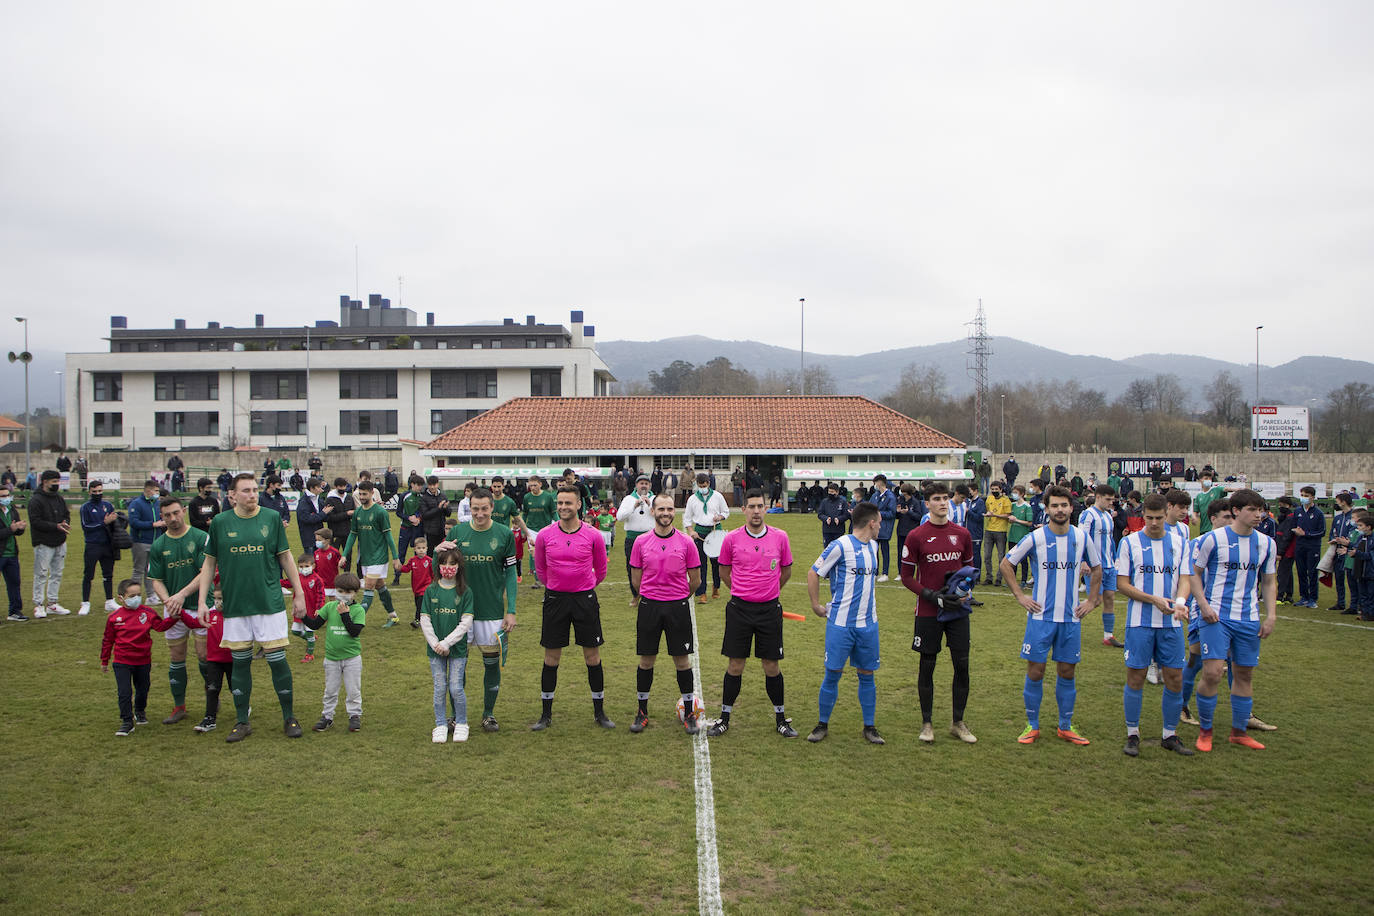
1305,500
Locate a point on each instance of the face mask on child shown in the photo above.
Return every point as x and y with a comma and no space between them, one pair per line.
320,545
133,601
6,500
307,570
448,572
346,597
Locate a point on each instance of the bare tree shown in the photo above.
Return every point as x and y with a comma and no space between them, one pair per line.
1226,400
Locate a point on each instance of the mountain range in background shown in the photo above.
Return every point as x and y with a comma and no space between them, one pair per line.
1013,362
875,374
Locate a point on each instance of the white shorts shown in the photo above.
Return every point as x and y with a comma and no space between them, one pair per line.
267,630
374,572
483,634
609,538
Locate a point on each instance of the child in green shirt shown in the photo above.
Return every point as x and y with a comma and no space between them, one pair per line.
343,653
445,619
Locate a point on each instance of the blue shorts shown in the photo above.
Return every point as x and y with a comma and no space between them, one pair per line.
1044,635
1159,644
857,646
1237,640
1108,578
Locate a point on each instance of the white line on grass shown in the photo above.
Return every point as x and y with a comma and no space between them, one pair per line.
708,863
1329,623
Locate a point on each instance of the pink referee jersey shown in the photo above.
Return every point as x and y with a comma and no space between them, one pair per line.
663,563
755,562
570,562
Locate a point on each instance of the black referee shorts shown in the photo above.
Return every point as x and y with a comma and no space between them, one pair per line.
756,623
926,639
578,611
672,619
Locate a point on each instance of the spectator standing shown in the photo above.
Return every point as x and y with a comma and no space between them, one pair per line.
1309,527
272,499
886,501
11,526
391,483
910,508
1010,469
8,479
1285,543
996,523
703,515
96,517
175,464
315,464
31,481
50,522
64,464
310,511
433,512
833,512
737,485
145,524
1342,525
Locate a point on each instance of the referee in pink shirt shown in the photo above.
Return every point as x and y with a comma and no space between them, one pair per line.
756,562
665,568
570,559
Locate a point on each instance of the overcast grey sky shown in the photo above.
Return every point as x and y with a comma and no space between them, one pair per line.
1191,168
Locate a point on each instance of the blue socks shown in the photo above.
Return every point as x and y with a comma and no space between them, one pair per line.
1132,701
1206,710
1189,675
1031,695
1108,624
868,696
1172,706
830,691
1065,693
1240,711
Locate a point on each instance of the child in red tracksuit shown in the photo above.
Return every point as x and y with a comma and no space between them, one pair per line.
421,569
313,586
326,560
219,661
129,638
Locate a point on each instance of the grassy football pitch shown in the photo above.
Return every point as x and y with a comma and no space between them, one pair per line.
580,819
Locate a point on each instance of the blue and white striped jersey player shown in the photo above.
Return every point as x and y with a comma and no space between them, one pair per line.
1096,522
1060,554
1152,567
1229,566
851,629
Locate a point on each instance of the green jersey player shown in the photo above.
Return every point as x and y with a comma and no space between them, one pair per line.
489,566
248,546
370,529
174,562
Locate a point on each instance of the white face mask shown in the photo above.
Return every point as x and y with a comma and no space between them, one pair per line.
307,570
346,597
133,601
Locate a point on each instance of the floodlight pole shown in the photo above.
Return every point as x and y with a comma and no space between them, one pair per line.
803,346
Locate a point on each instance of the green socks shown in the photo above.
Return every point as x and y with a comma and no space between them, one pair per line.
385,594
281,680
241,682
491,683
176,674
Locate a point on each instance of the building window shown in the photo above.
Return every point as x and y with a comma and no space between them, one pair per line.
441,421
546,382
477,345
815,459
367,383
713,463
367,422
496,343
278,423
109,386
462,383
281,386
186,423
550,343
186,386
531,343
108,424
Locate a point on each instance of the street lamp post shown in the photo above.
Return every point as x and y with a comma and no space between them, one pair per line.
1258,328
26,357
803,346
1003,445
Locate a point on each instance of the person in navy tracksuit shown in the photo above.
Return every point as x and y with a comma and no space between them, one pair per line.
886,501
833,512
1309,525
